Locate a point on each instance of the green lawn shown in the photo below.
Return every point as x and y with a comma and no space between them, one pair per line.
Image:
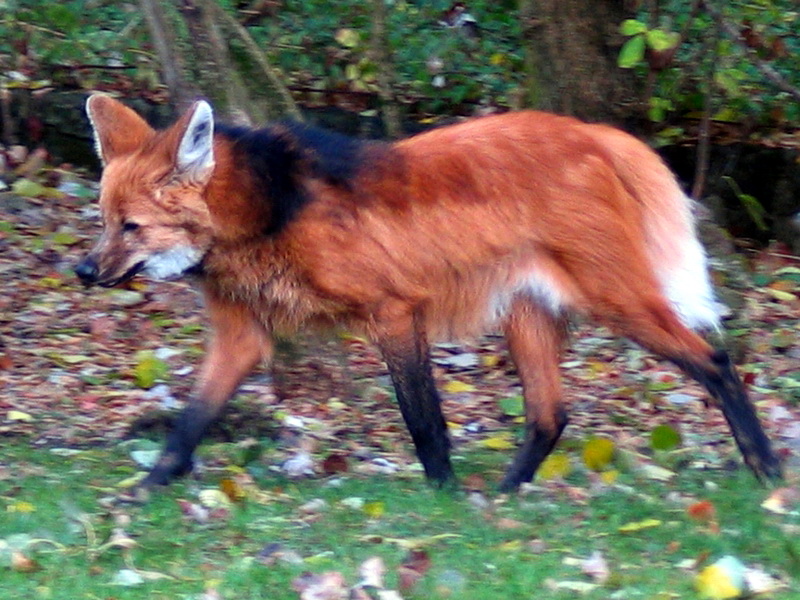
60,538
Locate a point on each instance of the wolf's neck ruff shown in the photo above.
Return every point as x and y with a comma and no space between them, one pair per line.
172,263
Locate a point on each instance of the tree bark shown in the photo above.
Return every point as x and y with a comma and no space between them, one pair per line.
272,74
381,56
571,49
172,67
213,68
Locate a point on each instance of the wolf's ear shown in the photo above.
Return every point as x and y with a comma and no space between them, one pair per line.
117,129
194,158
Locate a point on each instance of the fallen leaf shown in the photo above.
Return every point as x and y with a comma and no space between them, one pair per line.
639,525
782,501
23,564
506,523
478,500
213,499
414,567
18,415
781,295
511,546
334,464
702,511
317,505
598,453
512,406
353,503
232,489
759,582
474,483
724,579
499,441
21,506
656,473
458,387
194,512
374,510
555,466
664,437
299,465
581,587
371,572
464,360
324,586
609,477
127,578
145,458
409,543
148,370
596,567
275,552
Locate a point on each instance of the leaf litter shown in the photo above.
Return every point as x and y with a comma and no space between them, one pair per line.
81,369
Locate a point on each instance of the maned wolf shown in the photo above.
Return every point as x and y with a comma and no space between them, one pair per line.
514,221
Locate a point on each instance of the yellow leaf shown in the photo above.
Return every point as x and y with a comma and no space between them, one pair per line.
347,37
555,466
138,285
131,481
21,507
512,546
18,415
232,490
497,58
51,282
210,498
609,477
408,543
597,453
639,525
499,441
724,579
490,360
781,296
457,387
374,510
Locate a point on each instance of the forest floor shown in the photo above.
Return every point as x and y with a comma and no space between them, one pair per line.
82,370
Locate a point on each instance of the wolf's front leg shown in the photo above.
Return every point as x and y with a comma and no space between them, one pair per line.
404,345
238,343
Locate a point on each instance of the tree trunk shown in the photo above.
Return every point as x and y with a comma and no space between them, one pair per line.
380,54
571,49
213,68
172,67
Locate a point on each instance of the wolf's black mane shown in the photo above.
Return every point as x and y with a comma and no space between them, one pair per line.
280,156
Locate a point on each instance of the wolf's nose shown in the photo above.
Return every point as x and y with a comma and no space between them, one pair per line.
86,270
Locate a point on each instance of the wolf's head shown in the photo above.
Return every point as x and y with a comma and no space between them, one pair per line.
155,219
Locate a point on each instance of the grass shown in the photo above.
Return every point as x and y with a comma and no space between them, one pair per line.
518,547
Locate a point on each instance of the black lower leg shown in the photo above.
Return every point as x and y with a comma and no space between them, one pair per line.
420,405
724,385
188,430
409,366
538,444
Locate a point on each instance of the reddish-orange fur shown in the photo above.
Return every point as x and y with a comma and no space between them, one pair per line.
512,221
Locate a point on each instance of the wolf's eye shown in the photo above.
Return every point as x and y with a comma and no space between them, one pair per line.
130,226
